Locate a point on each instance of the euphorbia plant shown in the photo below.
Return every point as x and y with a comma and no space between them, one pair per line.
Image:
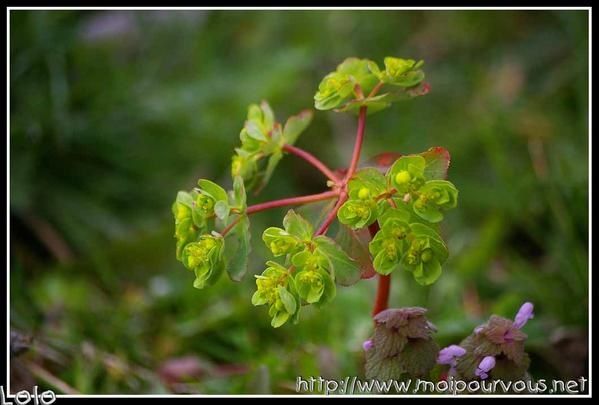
397,200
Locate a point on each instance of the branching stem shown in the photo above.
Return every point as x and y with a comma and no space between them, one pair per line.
304,199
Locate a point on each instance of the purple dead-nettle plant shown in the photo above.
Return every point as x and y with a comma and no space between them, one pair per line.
495,350
402,345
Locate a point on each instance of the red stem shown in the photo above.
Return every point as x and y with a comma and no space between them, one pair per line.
304,199
381,301
331,215
291,201
376,89
308,157
358,145
350,172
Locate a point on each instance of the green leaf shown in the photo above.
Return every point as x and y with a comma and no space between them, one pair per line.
437,163
314,293
279,241
258,298
205,259
428,273
407,173
338,87
295,125
297,226
203,281
334,89
330,289
239,197
273,161
374,104
244,164
212,189
185,233
249,144
186,216
237,249
437,242
384,265
288,300
402,72
184,198
279,319
401,211
359,72
436,196
199,220
374,68
370,178
357,214
254,131
345,269
268,116
292,288
429,213
221,209
355,243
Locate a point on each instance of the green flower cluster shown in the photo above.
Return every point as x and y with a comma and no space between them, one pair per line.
262,141
408,201
203,212
312,266
197,214
276,289
204,258
351,85
196,211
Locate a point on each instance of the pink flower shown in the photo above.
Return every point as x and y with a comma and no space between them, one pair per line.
367,345
524,314
449,354
484,367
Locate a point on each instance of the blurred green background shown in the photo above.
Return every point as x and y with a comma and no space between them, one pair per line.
113,112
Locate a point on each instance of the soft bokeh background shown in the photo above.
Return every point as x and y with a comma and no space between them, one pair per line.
112,112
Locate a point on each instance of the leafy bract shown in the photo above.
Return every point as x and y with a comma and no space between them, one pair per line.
345,269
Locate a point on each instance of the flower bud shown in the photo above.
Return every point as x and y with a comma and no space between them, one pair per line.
364,193
524,314
403,177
